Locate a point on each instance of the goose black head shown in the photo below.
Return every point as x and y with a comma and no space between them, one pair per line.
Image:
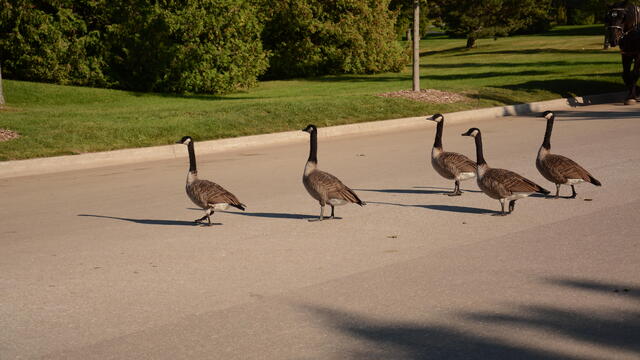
310,128
472,132
548,114
185,140
436,117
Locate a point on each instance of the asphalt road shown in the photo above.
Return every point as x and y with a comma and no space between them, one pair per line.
106,263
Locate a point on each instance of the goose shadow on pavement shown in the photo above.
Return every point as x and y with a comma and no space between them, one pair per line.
449,208
149,221
272,215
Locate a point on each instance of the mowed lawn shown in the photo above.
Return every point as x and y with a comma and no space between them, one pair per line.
57,120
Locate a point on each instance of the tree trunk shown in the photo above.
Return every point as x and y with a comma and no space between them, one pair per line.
1,93
471,42
416,45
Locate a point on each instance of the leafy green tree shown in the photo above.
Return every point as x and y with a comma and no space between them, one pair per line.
201,46
43,42
1,91
487,18
404,22
580,12
316,37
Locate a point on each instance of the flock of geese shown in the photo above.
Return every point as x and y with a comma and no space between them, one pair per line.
503,185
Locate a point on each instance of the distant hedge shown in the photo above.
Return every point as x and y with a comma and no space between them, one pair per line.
43,42
316,37
201,46
193,46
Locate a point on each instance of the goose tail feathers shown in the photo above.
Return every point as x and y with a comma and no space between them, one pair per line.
239,206
594,181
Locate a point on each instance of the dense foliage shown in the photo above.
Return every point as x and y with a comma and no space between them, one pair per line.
209,46
43,42
218,46
490,18
314,37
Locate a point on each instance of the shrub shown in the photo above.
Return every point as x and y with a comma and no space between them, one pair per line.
315,37
48,43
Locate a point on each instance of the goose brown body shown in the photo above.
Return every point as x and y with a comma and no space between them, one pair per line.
501,184
204,193
450,165
207,194
322,186
505,184
559,169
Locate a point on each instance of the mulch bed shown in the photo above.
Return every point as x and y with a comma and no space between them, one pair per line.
6,135
427,95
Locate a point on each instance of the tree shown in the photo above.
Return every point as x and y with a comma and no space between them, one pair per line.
1,92
416,45
404,22
490,18
318,37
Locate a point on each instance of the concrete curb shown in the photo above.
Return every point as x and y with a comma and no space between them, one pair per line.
127,156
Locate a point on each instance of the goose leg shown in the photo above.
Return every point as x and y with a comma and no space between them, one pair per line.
557,191
332,211
207,215
501,213
573,193
512,205
321,214
456,190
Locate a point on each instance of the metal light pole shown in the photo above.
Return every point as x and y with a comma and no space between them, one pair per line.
416,45
1,94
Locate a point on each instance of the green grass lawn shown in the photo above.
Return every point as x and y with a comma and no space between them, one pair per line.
57,120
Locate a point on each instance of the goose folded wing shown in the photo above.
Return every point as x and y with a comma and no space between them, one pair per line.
332,187
515,183
566,168
212,193
455,163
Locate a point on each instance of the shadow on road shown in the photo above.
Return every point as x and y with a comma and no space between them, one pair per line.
149,221
403,191
417,190
271,215
611,330
449,208
460,209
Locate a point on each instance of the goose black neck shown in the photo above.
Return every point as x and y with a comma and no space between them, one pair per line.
479,154
192,157
313,150
546,143
438,142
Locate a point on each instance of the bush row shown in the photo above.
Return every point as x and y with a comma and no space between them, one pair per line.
193,46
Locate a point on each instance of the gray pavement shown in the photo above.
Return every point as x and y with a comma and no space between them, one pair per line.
106,264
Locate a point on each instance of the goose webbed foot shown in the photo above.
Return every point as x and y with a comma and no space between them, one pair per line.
201,220
315,219
456,190
502,213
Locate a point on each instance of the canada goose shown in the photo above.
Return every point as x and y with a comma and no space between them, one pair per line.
450,165
204,193
501,184
322,186
558,169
